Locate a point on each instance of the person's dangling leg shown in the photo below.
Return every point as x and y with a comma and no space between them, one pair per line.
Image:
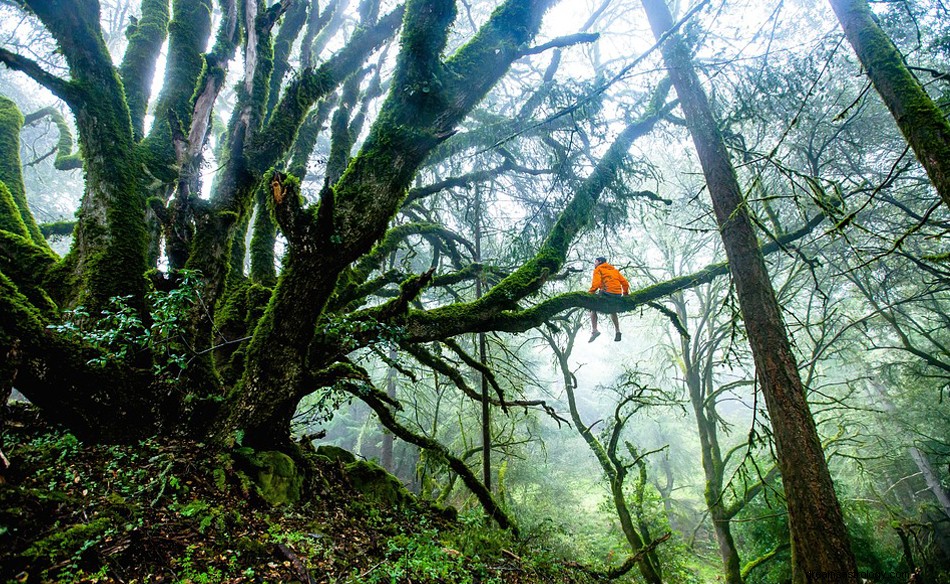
594,333
616,321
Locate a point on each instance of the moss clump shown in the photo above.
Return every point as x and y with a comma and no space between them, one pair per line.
377,485
336,454
72,542
28,266
277,478
58,228
10,219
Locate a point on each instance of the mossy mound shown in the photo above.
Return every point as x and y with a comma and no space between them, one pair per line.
335,454
376,485
278,480
176,511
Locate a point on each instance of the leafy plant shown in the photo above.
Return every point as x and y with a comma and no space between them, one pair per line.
119,333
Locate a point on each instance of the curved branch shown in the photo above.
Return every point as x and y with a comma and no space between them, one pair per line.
375,400
482,368
65,159
58,86
425,357
561,42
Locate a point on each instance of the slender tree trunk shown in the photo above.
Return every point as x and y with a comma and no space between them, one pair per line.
918,117
712,464
819,539
386,450
648,566
482,354
931,479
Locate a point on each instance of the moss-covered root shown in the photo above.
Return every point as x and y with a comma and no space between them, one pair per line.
918,117
11,173
484,496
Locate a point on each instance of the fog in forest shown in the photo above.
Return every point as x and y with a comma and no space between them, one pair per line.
374,224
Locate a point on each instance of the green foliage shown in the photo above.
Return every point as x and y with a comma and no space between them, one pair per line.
422,557
352,330
120,334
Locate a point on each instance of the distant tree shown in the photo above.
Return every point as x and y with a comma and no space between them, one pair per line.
632,396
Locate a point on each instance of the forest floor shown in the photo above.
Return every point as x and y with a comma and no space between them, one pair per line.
162,511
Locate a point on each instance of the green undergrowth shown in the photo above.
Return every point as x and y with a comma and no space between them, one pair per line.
179,512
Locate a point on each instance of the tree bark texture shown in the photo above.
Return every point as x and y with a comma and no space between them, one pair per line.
819,539
920,120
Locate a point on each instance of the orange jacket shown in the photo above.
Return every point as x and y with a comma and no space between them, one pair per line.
608,279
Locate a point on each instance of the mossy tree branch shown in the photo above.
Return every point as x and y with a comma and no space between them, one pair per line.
376,400
925,127
212,77
109,254
354,214
456,319
550,258
59,87
293,23
11,174
53,373
65,159
188,34
138,64
276,138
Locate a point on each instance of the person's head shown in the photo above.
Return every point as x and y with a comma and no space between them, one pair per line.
600,260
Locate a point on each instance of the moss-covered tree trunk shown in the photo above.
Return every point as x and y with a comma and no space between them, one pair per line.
430,96
820,545
109,255
920,120
17,219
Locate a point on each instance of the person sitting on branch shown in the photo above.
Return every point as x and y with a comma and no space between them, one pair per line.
607,282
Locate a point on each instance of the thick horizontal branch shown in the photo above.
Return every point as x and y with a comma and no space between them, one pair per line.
58,86
457,319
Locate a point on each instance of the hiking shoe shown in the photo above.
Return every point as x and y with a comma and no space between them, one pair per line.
593,336
617,337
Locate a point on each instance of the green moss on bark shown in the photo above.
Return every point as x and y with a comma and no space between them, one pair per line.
10,219
917,115
188,35
11,174
138,65
29,266
264,237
